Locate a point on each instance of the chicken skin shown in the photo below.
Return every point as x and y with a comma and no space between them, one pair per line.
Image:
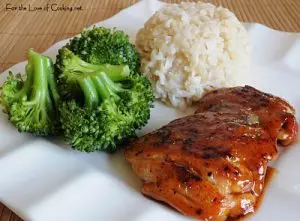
212,165
275,115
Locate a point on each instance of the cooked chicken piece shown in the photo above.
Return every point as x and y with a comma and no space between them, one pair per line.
212,165
273,113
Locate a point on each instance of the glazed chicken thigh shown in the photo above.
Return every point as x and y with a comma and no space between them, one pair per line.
212,165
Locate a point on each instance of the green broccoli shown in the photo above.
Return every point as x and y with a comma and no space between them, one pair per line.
70,66
105,46
32,104
104,100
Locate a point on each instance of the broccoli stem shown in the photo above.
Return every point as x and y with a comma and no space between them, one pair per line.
114,72
109,85
79,65
28,82
41,80
52,82
27,85
98,86
39,91
89,91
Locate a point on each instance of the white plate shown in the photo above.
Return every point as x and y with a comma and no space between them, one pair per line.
43,179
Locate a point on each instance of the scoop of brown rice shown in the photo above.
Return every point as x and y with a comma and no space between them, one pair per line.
190,48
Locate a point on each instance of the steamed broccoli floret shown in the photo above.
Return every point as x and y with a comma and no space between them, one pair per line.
70,66
105,46
103,104
31,104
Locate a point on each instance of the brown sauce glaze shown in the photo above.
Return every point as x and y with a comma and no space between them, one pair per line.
270,174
